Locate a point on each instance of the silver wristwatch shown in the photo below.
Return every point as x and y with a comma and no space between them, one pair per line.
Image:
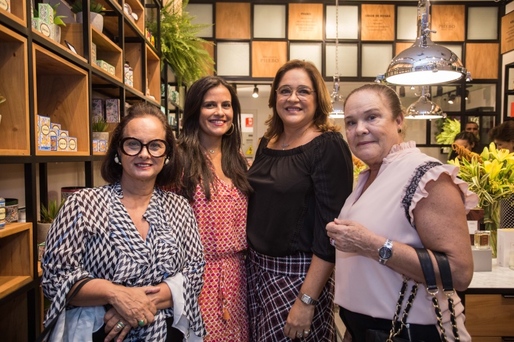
385,252
306,299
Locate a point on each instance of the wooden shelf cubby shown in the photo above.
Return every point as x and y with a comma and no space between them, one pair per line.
153,74
17,13
134,56
131,23
108,51
62,93
14,124
16,247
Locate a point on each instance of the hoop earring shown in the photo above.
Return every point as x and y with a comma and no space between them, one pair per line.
231,130
116,159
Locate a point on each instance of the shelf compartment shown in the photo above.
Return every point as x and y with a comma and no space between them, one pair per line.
17,13
134,55
73,33
153,74
62,93
139,24
14,324
108,51
14,125
15,247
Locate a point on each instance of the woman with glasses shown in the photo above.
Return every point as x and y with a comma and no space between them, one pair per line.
301,175
138,244
214,181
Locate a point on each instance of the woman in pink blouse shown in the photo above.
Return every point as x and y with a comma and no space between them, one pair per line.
214,181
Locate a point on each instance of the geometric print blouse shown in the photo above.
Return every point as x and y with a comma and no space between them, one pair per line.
93,236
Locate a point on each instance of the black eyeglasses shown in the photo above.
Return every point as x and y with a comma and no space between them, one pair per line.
132,147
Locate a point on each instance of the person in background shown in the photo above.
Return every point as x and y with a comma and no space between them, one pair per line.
214,181
503,135
472,127
138,243
301,174
404,200
465,139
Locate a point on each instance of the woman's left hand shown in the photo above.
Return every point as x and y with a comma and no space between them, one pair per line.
115,327
299,320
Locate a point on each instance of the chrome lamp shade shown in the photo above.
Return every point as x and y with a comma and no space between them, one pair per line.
424,63
424,109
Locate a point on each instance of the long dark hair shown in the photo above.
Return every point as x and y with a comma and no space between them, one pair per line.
170,173
197,168
324,104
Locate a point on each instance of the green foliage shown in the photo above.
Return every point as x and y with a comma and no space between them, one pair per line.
180,46
94,6
100,125
451,127
50,213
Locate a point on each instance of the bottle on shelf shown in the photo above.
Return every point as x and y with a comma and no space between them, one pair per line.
2,212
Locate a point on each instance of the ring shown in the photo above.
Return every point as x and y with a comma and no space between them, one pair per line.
141,322
120,325
332,242
306,332
299,334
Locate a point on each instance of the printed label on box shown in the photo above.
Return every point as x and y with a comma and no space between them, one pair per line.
62,144
53,143
72,144
56,126
5,5
44,28
95,145
63,133
46,13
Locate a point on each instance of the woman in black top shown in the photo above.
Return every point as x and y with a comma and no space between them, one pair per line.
301,177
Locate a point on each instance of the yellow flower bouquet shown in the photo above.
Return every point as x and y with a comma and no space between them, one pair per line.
491,176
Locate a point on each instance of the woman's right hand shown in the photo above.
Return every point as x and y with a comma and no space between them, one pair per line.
133,304
115,326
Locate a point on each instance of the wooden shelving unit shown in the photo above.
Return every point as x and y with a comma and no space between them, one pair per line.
49,78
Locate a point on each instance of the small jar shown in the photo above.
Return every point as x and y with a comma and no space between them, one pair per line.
482,239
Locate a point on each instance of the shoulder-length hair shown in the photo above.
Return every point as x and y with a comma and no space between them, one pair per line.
197,168
170,173
323,100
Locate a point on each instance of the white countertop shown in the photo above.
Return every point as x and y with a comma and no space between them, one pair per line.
498,278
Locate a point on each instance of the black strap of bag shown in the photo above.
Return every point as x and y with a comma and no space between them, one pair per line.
50,327
432,289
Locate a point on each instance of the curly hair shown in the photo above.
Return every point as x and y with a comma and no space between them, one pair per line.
323,109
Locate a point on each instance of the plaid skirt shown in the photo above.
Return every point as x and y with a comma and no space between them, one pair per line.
273,285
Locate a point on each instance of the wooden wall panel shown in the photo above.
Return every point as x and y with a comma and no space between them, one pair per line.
402,46
267,58
233,20
305,22
448,21
377,22
482,60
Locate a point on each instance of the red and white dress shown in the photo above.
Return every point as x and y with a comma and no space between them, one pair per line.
222,225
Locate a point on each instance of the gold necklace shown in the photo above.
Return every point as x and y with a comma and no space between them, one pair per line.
284,145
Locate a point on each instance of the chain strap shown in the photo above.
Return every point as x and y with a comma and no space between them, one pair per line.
403,321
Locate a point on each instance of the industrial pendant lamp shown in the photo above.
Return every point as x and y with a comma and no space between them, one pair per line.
424,63
423,108
337,100
255,93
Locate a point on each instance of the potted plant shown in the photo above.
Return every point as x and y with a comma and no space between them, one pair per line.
491,176
100,129
96,13
180,46
47,216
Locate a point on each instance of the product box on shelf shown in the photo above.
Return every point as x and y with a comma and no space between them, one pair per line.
68,144
43,139
54,133
106,66
41,26
505,244
98,110
72,144
95,145
46,13
55,126
63,133
112,110
5,5
102,146
93,51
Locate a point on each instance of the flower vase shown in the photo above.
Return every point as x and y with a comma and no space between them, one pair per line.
492,221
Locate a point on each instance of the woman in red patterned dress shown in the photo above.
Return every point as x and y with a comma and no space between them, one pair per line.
215,183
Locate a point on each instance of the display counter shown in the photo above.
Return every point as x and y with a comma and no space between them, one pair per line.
489,303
